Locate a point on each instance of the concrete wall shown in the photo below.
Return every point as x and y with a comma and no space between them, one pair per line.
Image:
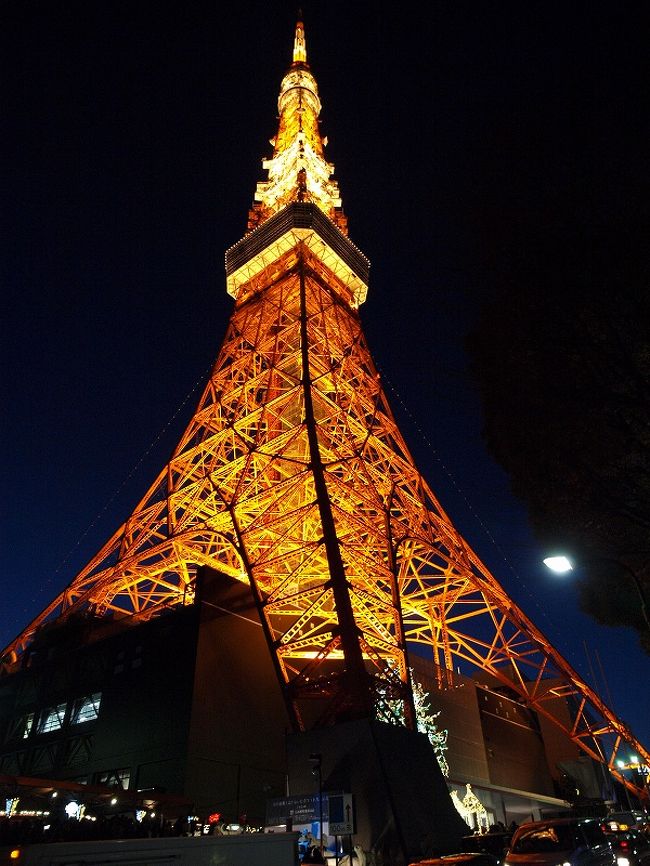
513,743
236,749
144,673
144,719
559,748
190,705
403,808
460,716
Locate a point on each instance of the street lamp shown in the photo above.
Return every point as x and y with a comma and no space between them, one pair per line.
315,759
641,770
561,564
635,764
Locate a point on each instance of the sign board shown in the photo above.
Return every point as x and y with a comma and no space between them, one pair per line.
341,814
301,809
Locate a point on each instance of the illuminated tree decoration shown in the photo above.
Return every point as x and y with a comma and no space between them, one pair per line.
474,809
392,711
426,723
462,811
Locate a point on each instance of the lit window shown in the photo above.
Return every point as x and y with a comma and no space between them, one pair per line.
29,724
52,719
86,709
115,778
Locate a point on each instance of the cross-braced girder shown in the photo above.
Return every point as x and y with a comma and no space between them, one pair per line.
293,477
239,494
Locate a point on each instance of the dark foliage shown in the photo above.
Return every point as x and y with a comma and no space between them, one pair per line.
560,354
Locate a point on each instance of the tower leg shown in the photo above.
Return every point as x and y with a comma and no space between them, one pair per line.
403,809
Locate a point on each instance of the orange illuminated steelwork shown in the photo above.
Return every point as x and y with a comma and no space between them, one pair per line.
298,170
293,477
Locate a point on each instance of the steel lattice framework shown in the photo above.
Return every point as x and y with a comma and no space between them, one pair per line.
292,476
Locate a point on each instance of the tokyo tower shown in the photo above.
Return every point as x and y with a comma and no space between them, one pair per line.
293,477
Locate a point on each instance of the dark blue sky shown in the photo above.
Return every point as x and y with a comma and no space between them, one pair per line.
134,134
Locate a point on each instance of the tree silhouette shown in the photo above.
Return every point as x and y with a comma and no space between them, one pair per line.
560,355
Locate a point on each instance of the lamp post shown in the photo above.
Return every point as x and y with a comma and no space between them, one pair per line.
561,564
315,759
640,769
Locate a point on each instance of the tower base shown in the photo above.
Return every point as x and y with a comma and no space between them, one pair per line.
402,805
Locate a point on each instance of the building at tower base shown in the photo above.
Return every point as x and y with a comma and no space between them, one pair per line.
186,702
202,717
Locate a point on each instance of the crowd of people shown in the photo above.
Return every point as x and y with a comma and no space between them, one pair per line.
23,830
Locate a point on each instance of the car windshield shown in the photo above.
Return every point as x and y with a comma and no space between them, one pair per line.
626,817
539,840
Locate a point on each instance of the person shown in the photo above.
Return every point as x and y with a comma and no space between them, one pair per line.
358,857
313,855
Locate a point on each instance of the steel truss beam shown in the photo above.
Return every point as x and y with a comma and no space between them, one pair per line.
293,477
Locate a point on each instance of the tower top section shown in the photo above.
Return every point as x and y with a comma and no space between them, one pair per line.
299,44
298,170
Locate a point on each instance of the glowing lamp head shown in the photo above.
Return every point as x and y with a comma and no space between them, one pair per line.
558,564
72,809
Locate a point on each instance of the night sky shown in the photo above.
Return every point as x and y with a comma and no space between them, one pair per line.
133,139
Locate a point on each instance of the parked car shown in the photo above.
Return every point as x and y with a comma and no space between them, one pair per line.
561,842
634,819
494,842
631,847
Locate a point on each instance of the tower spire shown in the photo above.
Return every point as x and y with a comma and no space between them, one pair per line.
298,170
299,42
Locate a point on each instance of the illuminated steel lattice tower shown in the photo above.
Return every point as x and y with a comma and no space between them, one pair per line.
293,477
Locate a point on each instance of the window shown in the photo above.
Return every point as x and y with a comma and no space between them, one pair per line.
78,751
115,778
20,727
13,763
52,719
545,838
86,709
29,724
